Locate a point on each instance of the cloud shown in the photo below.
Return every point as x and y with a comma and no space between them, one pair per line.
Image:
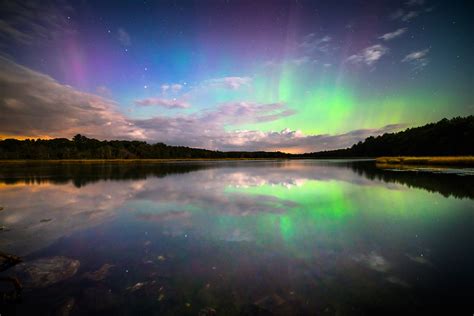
374,261
176,87
413,3
300,61
418,59
30,22
416,55
103,91
408,16
312,43
413,8
123,37
392,35
369,55
404,16
36,105
208,130
296,141
232,83
166,103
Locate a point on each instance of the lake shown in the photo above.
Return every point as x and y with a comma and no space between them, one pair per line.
296,237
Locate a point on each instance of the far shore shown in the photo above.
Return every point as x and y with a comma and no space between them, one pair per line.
94,161
447,161
458,161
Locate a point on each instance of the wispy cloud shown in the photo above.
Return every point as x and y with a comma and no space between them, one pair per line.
30,22
416,55
162,102
103,91
312,43
175,87
300,61
232,83
394,34
123,37
369,55
413,3
412,9
418,59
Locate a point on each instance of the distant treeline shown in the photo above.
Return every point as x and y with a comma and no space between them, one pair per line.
81,147
454,137
444,138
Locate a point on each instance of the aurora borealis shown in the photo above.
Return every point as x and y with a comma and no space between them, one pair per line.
293,76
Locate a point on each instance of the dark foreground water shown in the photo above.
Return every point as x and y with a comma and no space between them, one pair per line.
237,238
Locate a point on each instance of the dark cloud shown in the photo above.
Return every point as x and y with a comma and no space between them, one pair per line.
35,104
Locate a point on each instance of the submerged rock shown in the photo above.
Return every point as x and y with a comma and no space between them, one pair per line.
270,302
47,271
397,281
208,311
7,261
45,220
99,298
65,308
137,286
99,274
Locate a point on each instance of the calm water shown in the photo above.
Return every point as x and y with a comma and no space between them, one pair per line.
237,238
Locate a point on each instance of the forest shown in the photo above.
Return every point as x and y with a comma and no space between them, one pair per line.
448,137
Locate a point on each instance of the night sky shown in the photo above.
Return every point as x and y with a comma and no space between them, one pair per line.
233,75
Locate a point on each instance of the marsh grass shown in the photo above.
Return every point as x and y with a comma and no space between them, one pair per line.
460,161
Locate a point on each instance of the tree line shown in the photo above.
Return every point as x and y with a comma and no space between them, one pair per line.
444,138
448,137
82,147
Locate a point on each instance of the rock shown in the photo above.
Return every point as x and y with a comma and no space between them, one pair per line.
100,274
208,311
66,308
1,208
270,302
161,258
7,261
99,298
47,271
137,286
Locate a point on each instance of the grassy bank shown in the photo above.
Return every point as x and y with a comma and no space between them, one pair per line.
459,161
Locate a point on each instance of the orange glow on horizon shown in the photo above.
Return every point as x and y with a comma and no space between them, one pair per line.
23,137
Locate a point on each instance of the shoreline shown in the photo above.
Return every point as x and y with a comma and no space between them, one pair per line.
385,161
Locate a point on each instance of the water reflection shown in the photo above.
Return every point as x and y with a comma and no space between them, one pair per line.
279,237
448,184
